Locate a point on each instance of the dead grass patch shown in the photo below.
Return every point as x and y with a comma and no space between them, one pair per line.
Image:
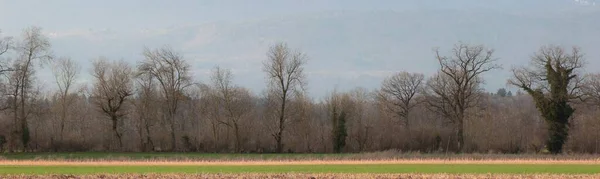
310,176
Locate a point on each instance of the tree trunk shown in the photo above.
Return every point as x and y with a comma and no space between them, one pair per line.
279,134
173,140
215,134
23,121
460,136
116,132
279,144
237,137
149,137
409,134
62,123
140,129
12,143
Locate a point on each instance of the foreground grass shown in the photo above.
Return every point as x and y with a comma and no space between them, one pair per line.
346,169
165,156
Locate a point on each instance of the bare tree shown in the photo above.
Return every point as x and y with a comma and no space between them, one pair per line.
553,82
304,127
146,108
6,44
591,89
171,72
362,120
34,48
112,88
211,111
65,73
456,88
285,73
398,93
236,101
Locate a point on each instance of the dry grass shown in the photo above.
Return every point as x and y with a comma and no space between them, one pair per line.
306,162
378,156
311,176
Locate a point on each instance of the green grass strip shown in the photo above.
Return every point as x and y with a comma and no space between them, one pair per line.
166,155
385,168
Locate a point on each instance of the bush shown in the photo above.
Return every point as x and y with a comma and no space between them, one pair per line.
188,144
2,142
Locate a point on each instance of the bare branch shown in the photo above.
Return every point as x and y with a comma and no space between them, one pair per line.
456,88
171,72
398,92
285,74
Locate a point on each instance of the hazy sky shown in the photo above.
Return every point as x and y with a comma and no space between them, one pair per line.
350,43
117,14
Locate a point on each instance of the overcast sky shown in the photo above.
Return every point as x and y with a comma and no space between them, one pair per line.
350,43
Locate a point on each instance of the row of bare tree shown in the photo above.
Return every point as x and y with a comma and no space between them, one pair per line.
155,105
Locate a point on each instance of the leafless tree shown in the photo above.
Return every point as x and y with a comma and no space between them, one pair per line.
65,73
285,74
211,111
112,88
304,128
456,88
591,89
235,101
6,43
171,72
398,93
362,119
34,48
147,109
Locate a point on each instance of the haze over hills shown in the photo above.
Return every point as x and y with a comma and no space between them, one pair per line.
353,46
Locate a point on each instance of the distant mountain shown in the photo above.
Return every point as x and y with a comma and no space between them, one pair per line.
586,2
351,48
501,5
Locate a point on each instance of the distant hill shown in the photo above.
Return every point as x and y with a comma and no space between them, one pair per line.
358,48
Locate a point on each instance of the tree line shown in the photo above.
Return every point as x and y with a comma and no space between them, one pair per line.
156,105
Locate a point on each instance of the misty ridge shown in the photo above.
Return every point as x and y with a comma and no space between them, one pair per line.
435,76
363,46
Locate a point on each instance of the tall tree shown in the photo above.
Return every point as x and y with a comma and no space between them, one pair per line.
171,72
398,93
553,81
146,109
591,89
112,88
34,48
65,73
235,101
456,87
6,44
285,73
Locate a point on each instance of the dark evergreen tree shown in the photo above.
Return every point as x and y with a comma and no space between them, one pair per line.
339,131
501,92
